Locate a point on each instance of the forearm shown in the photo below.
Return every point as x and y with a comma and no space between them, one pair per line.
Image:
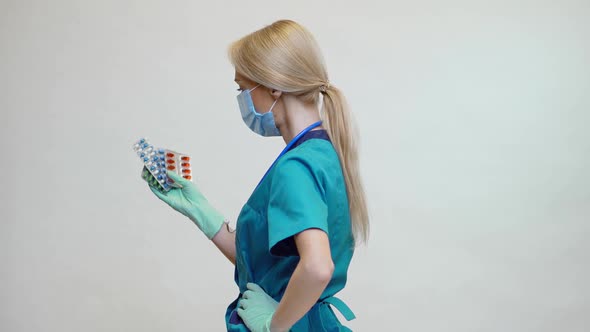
304,289
225,241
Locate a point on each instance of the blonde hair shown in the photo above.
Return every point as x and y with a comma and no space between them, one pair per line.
285,56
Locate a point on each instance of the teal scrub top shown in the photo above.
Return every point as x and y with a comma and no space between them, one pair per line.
304,189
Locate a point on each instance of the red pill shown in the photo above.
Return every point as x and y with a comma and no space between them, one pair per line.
188,177
186,171
170,161
170,155
171,167
185,165
185,158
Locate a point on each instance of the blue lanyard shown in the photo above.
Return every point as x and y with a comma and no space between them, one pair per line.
286,149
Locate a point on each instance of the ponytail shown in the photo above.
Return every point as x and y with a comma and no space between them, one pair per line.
339,123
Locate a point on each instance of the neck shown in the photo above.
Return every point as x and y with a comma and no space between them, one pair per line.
298,116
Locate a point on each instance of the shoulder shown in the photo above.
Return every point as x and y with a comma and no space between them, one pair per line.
314,159
314,153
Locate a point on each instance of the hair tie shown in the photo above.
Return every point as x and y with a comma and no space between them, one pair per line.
324,87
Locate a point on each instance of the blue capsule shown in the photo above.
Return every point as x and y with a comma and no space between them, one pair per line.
155,158
142,154
144,145
161,151
146,159
141,141
160,177
153,168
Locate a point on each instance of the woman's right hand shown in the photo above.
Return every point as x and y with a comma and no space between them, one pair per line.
189,201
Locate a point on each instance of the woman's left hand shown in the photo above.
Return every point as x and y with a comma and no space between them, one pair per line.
256,308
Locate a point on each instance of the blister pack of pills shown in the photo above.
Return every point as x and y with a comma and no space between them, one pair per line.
157,161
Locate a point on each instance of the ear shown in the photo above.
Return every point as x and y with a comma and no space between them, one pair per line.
276,94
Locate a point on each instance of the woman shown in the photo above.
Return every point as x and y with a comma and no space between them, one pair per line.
296,234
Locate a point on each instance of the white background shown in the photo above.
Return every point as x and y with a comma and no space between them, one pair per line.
475,155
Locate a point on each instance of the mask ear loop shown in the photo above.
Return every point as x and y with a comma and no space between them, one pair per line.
272,106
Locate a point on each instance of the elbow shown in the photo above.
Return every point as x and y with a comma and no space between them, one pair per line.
320,271
326,275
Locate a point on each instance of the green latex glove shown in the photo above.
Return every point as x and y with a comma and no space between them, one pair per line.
256,308
189,201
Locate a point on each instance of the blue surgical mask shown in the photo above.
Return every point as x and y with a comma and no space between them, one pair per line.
262,124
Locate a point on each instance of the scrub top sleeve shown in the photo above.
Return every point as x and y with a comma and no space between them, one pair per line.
296,204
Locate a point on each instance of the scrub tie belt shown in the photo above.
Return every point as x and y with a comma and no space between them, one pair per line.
332,300
341,306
